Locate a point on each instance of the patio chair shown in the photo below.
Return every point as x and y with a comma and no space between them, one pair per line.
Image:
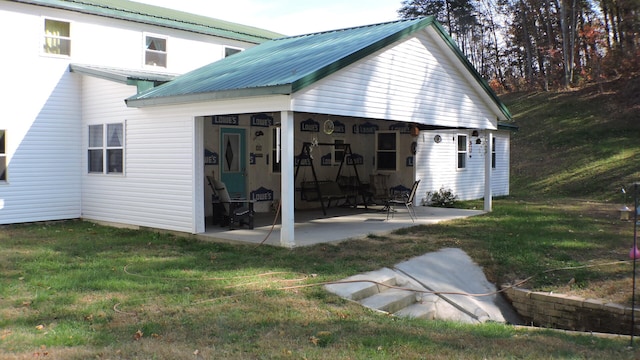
379,188
405,199
236,212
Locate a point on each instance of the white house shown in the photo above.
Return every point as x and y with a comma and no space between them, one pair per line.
400,96
46,108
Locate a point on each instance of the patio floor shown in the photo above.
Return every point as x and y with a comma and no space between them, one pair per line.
312,227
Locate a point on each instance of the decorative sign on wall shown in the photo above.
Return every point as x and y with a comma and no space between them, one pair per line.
326,160
366,128
339,128
355,159
399,189
409,161
226,120
252,159
302,160
261,120
262,194
210,157
310,125
404,128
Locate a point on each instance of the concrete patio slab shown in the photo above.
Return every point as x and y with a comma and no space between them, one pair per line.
312,227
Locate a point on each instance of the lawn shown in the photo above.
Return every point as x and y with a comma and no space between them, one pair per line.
76,290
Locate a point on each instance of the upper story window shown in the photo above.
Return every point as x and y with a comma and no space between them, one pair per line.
57,37
155,53
3,156
228,51
386,150
106,148
462,151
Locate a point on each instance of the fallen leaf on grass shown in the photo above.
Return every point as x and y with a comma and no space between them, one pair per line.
138,335
40,327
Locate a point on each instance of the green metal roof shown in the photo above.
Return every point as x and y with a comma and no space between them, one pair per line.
123,76
286,65
155,15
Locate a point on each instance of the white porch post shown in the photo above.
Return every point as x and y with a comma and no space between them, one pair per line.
287,183
488,201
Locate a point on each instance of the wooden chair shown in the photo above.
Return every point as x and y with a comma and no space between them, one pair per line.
237,212
405,199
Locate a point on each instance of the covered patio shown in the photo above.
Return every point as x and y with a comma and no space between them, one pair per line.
340,224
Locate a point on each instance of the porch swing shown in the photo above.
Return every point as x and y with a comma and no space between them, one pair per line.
329,190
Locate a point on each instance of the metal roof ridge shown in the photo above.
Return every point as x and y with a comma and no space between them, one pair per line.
350,28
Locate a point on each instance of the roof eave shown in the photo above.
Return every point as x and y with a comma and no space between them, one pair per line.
140,102
157,21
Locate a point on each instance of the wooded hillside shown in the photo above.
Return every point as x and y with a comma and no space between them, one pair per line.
541,44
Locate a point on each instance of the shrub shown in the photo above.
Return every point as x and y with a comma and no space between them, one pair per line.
441,198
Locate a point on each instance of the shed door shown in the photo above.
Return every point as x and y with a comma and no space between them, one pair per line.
233,161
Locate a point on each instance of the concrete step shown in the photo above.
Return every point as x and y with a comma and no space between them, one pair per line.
418,311
390,300
360,286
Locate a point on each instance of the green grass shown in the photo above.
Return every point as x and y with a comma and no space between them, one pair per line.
76,290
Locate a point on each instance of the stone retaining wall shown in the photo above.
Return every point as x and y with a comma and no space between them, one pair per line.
569,312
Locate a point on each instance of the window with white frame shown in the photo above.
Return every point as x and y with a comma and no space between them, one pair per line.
462,151
493,152
3,155
57,37
155,53
275,150
106,148
228,51
386,150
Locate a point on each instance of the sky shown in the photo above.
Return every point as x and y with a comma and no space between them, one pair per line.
291,17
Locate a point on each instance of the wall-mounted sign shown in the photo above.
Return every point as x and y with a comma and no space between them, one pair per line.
355,159
339,128
261,194
226,120
210,157
302,160
252,159
310,125
326,160
409,161
404,128
399,189
261,120
366,128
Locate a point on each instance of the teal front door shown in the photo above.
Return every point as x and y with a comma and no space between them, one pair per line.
233,161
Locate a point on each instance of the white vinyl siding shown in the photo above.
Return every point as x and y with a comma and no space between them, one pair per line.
157,189
500,175
436,165
413,81
42,148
